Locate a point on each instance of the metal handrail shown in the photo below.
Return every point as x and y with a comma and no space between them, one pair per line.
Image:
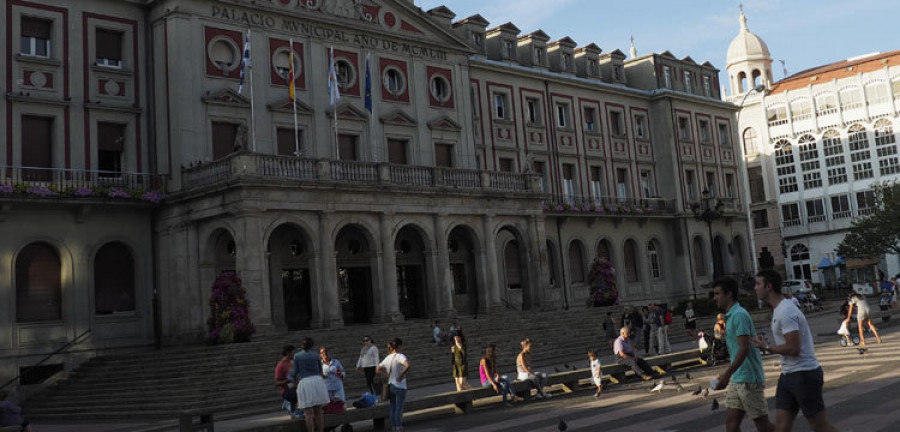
56,352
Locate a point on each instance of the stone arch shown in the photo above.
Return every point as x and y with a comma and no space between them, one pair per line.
464,252
742,82
291,266
357,263
605,249
221,251
577,262
38,268
631,263
412,246
553,260
756,77
513,250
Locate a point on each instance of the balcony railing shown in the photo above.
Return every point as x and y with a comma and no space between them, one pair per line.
272,167
842,214
793,223
866,211
62,179
603,205
814,219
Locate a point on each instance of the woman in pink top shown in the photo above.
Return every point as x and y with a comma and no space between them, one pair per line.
487,369
285,386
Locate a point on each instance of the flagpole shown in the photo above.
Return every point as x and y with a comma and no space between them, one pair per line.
370,109
293,100
332,95
252,109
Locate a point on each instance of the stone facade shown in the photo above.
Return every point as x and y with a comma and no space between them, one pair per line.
491,170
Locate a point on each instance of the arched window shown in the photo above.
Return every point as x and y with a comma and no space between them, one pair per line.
751,141
699,259
742,82
576,262
884,133
756,78
631,261
38,284
653,260
809,153
113,279
784,166
513,272
886,148
799,252
800,261
604,250
857,138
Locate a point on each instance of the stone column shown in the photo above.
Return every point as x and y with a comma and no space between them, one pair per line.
538,265
331,315
492,289
442,269
252,274
390,306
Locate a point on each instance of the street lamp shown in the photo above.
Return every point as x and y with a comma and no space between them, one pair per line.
707,212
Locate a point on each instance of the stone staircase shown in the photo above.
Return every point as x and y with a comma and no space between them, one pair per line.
239,377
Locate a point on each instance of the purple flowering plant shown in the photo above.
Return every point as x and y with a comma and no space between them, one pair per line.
41,191
602,280
117,193
229,311
6,189
83,192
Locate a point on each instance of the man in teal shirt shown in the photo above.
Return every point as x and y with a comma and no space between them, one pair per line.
748,381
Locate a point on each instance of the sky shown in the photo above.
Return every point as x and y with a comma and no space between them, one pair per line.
803,33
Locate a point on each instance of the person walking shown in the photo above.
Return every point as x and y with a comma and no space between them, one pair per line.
690,321
609,326
460,364
368,360
800,384
662,330
524,372
334,375
490,377
282,368
396,365
625,352
648,329
311,392
637,327
596,372
863,317
745,374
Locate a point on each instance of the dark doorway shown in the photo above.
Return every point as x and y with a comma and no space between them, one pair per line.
356,294
410,291
297,298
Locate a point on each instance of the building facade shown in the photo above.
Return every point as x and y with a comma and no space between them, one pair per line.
815,144
463,168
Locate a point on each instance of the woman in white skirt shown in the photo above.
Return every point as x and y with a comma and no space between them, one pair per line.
312,394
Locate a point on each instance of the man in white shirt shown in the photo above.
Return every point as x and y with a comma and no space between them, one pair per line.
800,383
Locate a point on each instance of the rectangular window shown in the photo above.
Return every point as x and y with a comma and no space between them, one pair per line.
684,129
538,56
840,207
592,67
590,119
757,185
110,148
622,183
597,189
647,184
862,171
850,99
505,165
787,184
566,62
35,37
443,155
707,87
501,104
865,202
889,165
826,104
347,147
705,136
837,175
397,151
569,182
509,50
562,115
37,147
288,144
640,126
617,123
688,87
533,105
790,213
109,48
223,136
723,135
711,183
478,39
800,110
815,210
777,115
729,185
539,170
667,77
812,180
760,219
690,186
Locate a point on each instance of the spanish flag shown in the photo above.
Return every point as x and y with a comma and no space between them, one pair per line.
291,90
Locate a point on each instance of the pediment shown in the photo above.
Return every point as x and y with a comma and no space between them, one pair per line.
444,123
346,111
566,42
398,118
591,47
667,54
536,35
474,19
688,59
442,11
617,53
707,64
507,27
226,97
284,105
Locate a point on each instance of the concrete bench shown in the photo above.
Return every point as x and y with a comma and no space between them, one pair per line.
196,421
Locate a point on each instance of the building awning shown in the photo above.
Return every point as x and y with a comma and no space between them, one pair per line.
825,263
856,263
840,262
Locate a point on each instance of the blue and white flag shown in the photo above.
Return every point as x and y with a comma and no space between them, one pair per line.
245,62
334,91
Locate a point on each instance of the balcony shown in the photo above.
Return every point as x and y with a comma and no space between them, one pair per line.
608,206
793,223
73,183
255,166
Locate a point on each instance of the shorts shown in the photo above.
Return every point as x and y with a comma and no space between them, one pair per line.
801,391
690,325
747,397
862,317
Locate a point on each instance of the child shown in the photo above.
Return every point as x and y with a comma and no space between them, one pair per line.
596,372
845,332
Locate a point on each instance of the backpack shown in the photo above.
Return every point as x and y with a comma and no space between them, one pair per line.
668,317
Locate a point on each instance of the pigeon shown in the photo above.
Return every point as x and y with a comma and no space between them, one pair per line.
680,387
658,387
697,393
567,366
687,375
556,369
674,378
715,404
862,350
562,426
705,392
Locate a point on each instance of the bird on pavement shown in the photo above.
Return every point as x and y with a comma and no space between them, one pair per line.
697,393
674,378
562,426
566,365
687,375
556,369
715,404
705,392
658,387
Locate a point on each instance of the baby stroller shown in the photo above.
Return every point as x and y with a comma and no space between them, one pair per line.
712,350
849,332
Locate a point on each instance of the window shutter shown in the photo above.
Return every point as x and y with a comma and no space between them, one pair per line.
397,151
113,279
111,137
38,284
347,147
285,138
37,142
109,45
443,155
36,28
223,135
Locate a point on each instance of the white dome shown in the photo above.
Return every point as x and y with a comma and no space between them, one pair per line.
746,46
